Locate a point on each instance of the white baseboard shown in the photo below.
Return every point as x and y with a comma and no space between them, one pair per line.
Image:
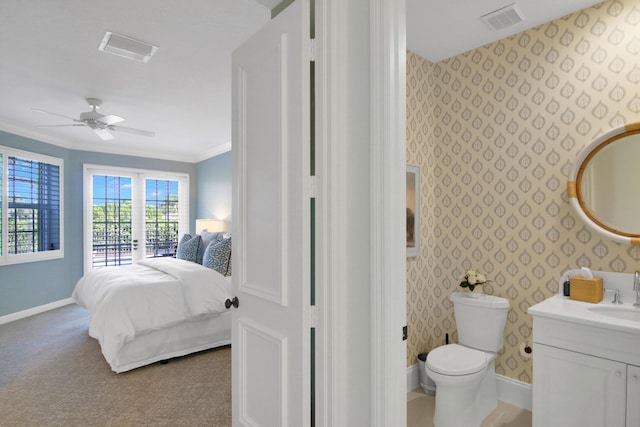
413,377
513,392
35,310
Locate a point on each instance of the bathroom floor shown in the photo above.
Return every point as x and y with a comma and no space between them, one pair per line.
420,408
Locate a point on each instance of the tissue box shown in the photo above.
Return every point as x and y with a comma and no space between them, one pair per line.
588,290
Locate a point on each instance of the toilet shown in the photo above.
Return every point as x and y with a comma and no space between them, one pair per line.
464,373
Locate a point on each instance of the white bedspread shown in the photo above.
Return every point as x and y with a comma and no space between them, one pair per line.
155,293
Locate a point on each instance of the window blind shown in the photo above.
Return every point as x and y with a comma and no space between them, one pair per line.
33,208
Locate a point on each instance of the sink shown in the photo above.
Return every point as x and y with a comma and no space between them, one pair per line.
624,313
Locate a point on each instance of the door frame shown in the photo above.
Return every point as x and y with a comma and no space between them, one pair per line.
362,358
388,207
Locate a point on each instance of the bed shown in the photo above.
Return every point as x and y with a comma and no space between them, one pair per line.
156,309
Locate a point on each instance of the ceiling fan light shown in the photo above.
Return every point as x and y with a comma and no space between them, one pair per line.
127,47
104,134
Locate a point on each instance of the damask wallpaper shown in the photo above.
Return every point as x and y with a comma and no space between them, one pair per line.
495,131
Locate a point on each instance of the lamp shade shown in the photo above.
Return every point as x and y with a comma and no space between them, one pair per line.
211,225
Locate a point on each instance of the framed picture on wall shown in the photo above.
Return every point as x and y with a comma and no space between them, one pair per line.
413,210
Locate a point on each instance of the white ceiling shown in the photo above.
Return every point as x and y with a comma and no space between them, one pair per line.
49,61
440,29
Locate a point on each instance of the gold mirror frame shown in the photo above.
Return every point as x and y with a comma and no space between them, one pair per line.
575,180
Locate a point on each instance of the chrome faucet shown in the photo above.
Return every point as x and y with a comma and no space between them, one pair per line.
616,295
636,287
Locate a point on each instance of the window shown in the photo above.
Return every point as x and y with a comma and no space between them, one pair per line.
162,217
31,207
111,222
130,215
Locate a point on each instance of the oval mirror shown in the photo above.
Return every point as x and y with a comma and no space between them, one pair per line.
604,182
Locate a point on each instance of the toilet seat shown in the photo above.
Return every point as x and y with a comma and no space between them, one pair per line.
456,360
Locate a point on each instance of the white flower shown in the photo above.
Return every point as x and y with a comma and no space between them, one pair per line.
471,278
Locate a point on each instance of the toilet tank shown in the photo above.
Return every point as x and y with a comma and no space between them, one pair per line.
480,320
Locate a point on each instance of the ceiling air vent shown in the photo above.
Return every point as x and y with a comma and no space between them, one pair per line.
127,47
503,18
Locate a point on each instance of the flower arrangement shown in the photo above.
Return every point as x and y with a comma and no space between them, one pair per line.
472,278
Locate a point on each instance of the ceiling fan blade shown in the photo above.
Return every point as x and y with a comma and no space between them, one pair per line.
110,119
60,126
55,114
104,134
131,130
101,124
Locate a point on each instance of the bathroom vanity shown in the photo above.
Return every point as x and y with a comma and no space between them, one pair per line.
586,359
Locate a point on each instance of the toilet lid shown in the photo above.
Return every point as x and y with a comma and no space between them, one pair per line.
454,359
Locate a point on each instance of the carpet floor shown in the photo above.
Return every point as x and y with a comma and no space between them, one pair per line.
53,374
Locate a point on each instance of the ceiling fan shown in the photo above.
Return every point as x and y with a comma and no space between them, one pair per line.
101,124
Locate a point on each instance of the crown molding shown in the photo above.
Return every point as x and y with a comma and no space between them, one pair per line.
111,149
216,151
34,134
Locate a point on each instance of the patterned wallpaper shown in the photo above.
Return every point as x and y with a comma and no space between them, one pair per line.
495,131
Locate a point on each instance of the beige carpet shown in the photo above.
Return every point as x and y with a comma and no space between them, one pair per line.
53,374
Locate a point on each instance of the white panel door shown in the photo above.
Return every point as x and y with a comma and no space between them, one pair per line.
271,336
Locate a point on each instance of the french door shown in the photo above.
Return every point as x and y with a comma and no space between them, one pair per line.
130,215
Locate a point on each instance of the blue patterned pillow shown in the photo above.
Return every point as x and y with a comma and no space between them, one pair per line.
229,267
218,256
206,239
188,248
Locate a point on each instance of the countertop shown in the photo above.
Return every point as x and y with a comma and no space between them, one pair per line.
563,308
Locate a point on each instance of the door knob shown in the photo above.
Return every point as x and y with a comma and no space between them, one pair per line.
232,302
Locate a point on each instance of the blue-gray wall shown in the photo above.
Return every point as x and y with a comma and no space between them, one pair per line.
23,286
213,177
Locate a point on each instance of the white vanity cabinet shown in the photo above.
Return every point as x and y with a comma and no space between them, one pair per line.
586,367
633,396
574,389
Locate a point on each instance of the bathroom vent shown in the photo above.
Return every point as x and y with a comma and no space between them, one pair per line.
503,18
127,47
